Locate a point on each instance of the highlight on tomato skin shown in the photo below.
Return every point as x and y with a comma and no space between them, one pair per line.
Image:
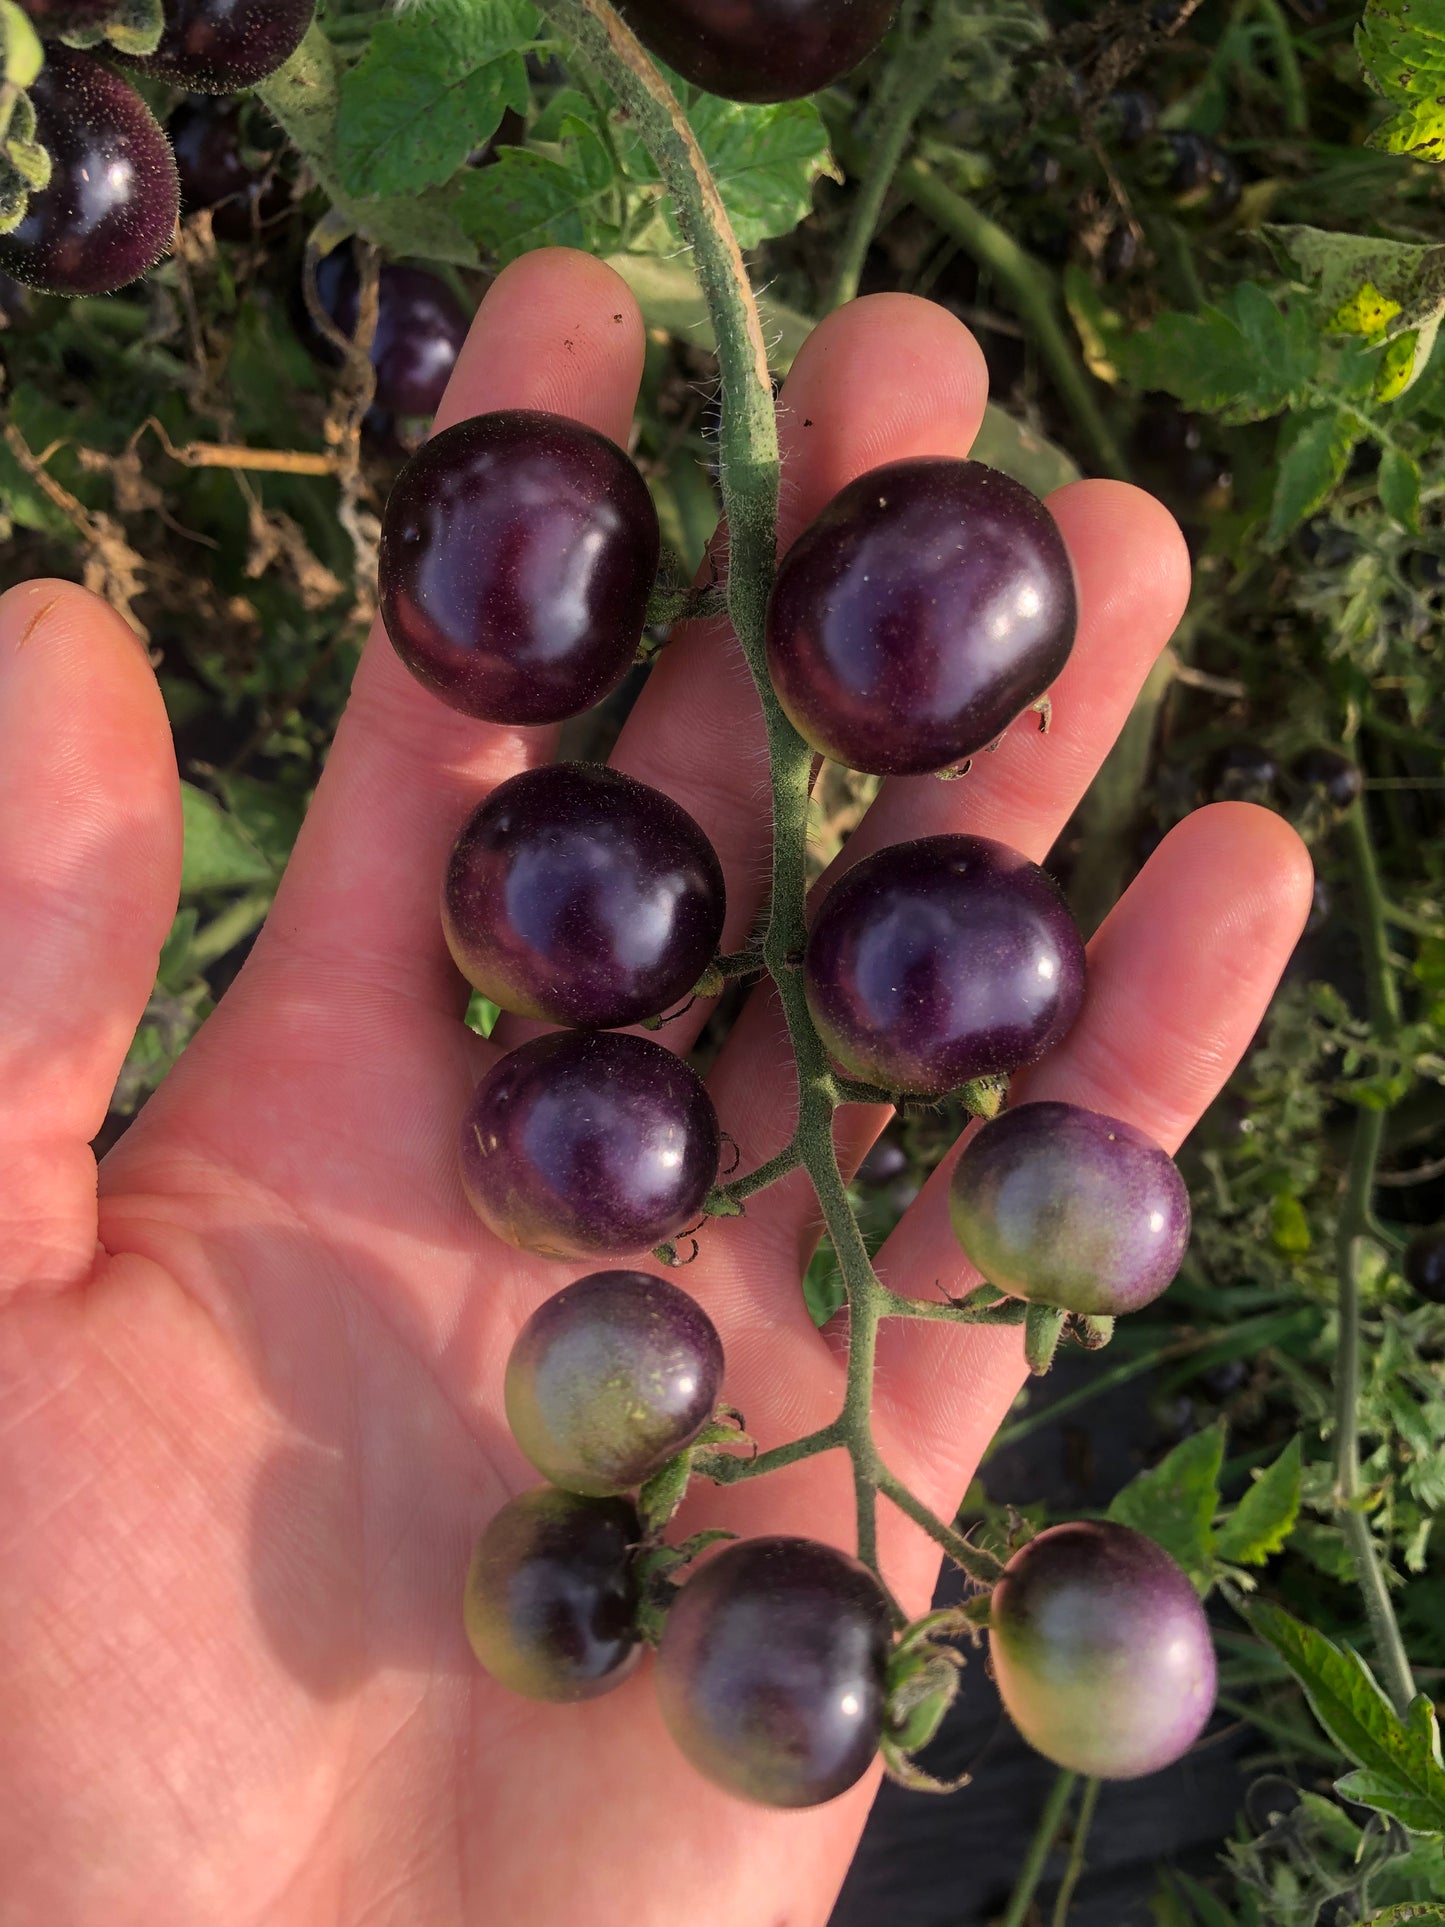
551,1597
223,46
421,327
1065,1206
610,1378
949,958
760,50
771,1673
518,551
1101,1651
587,1144
577,895
109,211
925,609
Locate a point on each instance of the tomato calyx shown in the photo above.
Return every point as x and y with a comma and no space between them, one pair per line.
923,1682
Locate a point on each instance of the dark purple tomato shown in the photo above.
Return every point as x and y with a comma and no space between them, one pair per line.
223,46
1424,1264
551,1598
760,49
1337,778
934,962
1130,117
771,1671
1101,1651
586,1144
929,603
110,209
1121,251
219,169
579,896
56,17
1066,1207
610,1379
1242,772
420,328
518,551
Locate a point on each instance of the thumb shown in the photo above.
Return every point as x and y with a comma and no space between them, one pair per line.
90,851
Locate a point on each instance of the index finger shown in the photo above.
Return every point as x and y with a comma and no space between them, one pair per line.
557,331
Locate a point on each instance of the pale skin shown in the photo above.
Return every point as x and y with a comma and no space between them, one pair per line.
250,1403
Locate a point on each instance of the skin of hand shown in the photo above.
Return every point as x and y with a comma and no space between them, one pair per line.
250,1401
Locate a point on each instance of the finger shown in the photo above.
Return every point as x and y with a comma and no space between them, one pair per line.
1133,575
358,906
1180,976
90,854
881,380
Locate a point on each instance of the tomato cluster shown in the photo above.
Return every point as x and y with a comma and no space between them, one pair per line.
109,210
927,606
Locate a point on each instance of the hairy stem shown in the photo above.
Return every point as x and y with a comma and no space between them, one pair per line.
1384,1003
1045,1833
749,473
920,73
1083,1820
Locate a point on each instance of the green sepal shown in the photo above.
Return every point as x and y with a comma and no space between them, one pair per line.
1092,1332
656,1587
984,1096
135,29
1043,1327
663,1493
21,54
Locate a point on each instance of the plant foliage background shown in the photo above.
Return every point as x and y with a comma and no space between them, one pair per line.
1203,244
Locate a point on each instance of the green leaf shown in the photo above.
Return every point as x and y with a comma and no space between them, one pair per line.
1398,1761
1265,1516
432,85
564,196
1401,45
1315,451
1175,1502
1289,1227
1244,360
823,1291
765,161
1405,1913
219,851
1399,484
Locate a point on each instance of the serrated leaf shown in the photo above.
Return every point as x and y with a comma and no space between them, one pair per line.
219,852
565,196
432,85
1244,360
1315,452
1265,1516
1399,484
1175,1502
1378,289
1401,45
765,160
1398,1761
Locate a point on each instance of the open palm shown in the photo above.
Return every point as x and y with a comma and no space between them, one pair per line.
250,1419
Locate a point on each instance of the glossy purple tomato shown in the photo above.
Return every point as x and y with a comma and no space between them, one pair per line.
1101,1651
928,605
518,551
771,1671
223,46
610,1379
586,1144
1424,1264
579,896
420,328
221,170
110,209
551,1598
760,49
1068,1207
934,962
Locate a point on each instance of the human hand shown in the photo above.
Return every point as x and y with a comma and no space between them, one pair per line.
252,1415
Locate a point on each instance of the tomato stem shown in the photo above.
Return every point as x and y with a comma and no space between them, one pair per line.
1045,1833
749,472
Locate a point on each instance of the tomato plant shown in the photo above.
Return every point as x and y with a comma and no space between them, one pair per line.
1184,268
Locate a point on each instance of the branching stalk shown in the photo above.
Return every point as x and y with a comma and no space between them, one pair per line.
749,471
1384,1004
